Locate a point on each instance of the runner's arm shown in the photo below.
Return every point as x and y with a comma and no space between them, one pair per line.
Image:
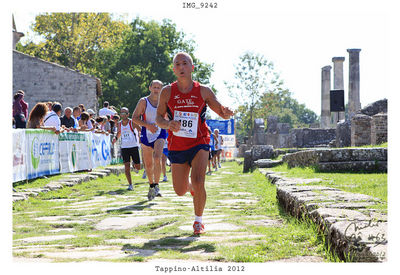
212,101
162,111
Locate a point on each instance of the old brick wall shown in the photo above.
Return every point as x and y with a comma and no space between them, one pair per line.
46,81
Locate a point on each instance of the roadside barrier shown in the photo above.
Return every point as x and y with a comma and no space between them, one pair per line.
39,152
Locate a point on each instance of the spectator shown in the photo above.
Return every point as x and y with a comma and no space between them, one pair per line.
99,124
76,114
91,113
107,124
92,124
24,104
82,107
49,105
53,117
114,124
18,113
37,115
67,121
83,122
106,110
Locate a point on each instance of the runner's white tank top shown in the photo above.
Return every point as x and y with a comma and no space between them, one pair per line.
149,116
129,139
218,146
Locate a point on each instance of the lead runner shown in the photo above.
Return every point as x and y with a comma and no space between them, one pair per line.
185,101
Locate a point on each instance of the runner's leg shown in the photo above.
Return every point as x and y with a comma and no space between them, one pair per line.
198,176
180,177
128,172
157,152
148,162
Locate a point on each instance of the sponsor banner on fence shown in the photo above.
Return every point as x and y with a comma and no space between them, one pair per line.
100,150
19,155
229,140
42,153
227,131
229,152
74,152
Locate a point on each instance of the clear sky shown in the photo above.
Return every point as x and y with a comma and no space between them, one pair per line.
300,38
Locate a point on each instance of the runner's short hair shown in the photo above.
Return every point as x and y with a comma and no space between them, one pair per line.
156,81
185,54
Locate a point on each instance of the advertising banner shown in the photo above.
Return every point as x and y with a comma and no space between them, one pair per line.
100,150
42,153
225,127
227,131
19,155
74,152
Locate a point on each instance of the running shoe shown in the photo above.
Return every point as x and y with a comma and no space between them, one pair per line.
219,165
152,193
157,188
165,179
130,188
144,175
198,228
209,173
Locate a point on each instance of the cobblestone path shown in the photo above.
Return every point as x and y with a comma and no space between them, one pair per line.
100,220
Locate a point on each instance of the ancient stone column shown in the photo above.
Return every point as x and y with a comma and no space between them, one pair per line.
338,82
354,81
325,97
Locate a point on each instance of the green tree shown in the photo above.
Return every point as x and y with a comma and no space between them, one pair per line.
253,76
74,39
260,92
145,54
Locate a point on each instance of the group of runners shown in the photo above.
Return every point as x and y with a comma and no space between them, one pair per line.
171,122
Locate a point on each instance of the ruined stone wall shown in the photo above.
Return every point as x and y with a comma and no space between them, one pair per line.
360,130
334,160
379,129
44,81
307,137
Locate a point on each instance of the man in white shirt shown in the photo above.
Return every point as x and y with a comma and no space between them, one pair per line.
106,110
53,117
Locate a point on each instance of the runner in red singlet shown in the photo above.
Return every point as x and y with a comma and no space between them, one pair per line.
185,102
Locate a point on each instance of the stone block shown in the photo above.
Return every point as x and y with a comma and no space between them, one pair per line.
248,162
343,134
53,186
354,166
360,130
379,129
261,152
267,163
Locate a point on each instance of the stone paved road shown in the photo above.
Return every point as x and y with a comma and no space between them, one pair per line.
102,221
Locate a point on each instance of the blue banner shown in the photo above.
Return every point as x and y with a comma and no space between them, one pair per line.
225,127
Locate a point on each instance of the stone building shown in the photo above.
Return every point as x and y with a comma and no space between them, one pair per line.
44,81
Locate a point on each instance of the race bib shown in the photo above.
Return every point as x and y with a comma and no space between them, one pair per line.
189,122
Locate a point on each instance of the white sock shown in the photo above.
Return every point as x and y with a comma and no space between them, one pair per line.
198,219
